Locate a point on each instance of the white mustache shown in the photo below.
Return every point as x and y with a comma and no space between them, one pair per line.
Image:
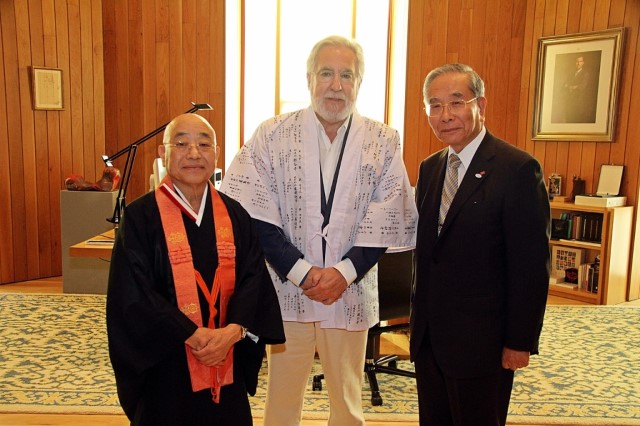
340,97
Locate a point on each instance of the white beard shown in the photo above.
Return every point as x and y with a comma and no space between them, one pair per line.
331,115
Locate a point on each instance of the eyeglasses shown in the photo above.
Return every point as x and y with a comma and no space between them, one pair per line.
184,147
455,107
327,76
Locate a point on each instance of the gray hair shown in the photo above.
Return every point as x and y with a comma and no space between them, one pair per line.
476,85
166,137
337,41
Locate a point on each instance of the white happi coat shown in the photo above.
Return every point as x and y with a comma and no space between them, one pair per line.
276,178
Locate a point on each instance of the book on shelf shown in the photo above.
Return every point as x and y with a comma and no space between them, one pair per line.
588,275
577,226
595,275
559,229
583,276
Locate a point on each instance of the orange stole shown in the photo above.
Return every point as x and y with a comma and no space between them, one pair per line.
186,279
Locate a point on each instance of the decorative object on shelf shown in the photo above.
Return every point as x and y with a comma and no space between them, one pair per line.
564,258
108,182
607,194
577,86
131,150
555,185
578,187
46,88
571,275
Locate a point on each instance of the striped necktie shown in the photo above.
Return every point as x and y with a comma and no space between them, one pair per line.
449,189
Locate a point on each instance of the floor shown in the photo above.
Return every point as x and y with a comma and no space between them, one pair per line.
390,344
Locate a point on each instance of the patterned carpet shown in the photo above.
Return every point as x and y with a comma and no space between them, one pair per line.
53,359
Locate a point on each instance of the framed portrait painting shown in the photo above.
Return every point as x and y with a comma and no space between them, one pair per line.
46,87
577,85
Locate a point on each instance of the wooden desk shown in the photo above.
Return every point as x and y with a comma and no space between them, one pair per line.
99,246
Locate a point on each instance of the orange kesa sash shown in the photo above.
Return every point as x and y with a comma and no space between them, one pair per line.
187,279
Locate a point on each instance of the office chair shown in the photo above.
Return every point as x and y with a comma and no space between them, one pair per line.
395,275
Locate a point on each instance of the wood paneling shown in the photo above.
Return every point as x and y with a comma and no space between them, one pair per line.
159,56
129,66
499,39
132,65
38,149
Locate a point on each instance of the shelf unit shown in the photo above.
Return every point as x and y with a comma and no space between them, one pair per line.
614,250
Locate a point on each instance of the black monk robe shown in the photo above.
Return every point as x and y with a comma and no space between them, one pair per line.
147,331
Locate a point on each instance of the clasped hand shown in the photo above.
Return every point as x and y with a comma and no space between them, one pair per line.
513,360
324,285
211,346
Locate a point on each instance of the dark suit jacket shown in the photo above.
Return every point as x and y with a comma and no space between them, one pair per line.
482,283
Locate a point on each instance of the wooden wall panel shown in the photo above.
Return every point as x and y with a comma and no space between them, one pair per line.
27,140
159,55
131,65
128,67
499,39
6,242
38,149
504,52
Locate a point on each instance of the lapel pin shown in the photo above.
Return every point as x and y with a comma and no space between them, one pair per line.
480,175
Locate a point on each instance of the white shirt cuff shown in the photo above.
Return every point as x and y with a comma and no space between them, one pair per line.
299,271
348,271
252,336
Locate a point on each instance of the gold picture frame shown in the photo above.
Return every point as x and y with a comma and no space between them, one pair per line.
577,86
46,90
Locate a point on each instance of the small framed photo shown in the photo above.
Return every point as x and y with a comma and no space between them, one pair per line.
46,88
564,258
577,86
555,185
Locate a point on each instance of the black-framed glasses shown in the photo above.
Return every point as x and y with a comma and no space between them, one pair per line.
455,107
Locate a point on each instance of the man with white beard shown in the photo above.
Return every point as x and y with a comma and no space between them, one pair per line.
329,193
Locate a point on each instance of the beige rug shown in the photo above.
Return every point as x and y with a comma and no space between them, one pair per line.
53,359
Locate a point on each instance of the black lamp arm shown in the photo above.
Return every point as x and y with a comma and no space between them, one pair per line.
131,150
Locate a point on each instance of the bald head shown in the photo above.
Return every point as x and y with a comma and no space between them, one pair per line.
189,152
187,118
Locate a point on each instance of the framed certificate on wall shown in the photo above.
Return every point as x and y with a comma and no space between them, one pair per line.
46,88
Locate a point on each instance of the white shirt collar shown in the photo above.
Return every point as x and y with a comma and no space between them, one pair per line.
197,216
322,134
467,153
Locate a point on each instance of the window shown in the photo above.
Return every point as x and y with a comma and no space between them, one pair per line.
277,38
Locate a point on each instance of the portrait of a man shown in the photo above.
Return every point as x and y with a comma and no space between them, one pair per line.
575,89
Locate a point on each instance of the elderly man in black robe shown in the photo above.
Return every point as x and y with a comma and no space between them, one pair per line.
190,304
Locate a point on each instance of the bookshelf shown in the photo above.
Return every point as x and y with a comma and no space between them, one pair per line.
613,249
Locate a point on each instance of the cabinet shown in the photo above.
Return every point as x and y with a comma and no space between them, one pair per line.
613,249
83,214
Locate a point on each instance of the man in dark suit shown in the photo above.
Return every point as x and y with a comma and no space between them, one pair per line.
482,267
581,95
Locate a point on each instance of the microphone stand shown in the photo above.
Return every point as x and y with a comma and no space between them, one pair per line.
131,150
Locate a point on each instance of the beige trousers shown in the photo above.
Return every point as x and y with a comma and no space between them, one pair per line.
341,355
